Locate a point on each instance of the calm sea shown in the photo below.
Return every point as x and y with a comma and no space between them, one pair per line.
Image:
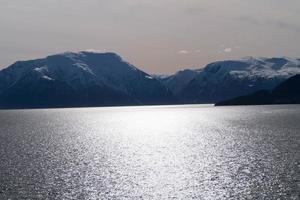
163,152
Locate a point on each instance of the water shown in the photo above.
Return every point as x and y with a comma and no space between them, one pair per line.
163,152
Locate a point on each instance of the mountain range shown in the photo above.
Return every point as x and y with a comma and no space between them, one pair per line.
104,79
224,80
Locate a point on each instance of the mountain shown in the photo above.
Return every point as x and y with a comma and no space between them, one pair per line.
105,79
288,92
178,81
79,79
224,80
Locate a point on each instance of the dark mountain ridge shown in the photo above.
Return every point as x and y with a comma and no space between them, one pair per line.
287,92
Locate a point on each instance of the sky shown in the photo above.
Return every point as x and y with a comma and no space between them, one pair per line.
157,36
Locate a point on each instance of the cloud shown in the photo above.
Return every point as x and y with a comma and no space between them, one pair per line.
183,52
283,25
227,50
275,23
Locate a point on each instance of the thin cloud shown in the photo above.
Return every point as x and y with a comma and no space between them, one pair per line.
227,50
275,23
183,52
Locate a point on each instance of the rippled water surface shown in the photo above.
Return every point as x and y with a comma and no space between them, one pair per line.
164,152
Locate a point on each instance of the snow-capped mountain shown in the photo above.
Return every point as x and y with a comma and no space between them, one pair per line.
79,79
223,80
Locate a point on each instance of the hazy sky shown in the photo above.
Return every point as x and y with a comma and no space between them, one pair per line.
159,36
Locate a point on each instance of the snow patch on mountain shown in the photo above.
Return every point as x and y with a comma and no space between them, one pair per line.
47,78
84,67
149,77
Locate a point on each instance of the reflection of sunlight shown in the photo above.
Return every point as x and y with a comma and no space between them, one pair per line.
152,152
151,122
153,137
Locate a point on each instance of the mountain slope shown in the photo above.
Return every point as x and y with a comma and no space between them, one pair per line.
223,80
79,79
178,81
288,92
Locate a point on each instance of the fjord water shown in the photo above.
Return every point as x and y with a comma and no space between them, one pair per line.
160,152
